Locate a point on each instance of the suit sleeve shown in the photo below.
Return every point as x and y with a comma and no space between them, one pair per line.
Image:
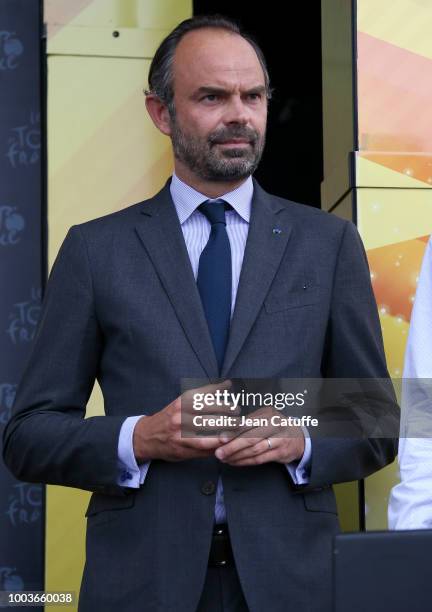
48,439
354,349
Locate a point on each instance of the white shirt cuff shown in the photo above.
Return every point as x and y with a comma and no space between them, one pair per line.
130,474
299,472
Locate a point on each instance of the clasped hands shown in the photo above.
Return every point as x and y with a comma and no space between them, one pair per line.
170,435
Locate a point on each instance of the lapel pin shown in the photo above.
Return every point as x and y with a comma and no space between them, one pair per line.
277,230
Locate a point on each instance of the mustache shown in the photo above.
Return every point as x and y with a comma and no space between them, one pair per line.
226,135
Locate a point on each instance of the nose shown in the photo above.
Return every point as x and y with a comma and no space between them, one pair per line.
237,110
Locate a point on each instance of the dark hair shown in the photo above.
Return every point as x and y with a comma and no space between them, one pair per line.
160,77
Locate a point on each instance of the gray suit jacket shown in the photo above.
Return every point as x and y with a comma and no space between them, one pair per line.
122,306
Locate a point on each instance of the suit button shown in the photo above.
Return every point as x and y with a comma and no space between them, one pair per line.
208,487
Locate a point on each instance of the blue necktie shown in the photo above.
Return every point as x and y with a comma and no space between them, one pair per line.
214,277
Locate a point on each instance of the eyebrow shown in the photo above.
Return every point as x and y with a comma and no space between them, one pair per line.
221,90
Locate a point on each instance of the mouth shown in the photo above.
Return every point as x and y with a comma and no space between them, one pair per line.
234,142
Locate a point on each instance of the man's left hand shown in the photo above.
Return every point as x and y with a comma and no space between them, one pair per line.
257,445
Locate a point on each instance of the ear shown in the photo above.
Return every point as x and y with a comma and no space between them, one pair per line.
159,113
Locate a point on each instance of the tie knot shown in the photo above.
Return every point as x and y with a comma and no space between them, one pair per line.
214,210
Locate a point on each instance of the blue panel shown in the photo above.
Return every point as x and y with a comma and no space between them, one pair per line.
22,263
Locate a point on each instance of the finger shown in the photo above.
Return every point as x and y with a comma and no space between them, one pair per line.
218,408
225,452
205,424
261,447
258,424
202,443
209,388
200,398
270,455
246,432
192,453
227,409
283,450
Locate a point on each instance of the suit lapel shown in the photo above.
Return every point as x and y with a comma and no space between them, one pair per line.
160,233
268,236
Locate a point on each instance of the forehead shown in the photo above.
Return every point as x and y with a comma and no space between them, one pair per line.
215,56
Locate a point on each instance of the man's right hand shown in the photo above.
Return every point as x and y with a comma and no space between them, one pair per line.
162,435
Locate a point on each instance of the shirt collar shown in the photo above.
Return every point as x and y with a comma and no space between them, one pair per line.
187,199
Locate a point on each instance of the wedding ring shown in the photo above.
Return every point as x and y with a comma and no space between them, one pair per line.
269,443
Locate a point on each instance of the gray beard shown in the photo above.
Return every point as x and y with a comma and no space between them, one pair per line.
212,163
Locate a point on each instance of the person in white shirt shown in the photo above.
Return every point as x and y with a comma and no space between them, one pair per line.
410,505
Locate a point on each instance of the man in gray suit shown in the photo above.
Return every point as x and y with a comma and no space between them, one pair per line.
137,300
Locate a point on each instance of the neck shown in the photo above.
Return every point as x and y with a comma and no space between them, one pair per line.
211,189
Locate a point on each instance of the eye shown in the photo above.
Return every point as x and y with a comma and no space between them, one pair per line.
208,96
